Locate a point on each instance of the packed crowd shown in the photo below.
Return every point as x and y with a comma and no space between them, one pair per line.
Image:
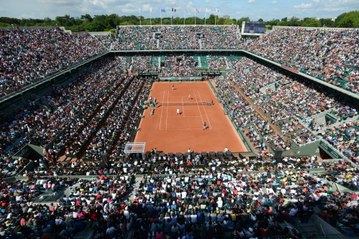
30,54
175,37
287,103
79,117
142,64
105,38
330,47
217,63
329,54
76,143
273,120
26,214
193,196
178,66
219,37
343,173
135,38
138,64
181,163
57,116
345,137
174,65
178,37
209,205
121,125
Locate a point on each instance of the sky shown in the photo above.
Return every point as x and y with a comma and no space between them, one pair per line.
255,9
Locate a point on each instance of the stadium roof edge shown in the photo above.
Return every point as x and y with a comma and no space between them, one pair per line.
103,33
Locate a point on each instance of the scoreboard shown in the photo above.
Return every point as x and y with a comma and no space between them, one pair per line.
254,27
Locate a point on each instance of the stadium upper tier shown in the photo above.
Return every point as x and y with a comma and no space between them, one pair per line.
176,37
27,55
328,54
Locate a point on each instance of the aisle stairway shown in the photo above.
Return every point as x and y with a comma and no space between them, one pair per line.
135,187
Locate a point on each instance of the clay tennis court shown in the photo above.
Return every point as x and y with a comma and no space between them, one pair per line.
169,131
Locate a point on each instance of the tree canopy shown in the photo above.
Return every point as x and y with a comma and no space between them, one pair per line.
109,22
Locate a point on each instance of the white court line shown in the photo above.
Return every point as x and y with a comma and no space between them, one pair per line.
186,129
188,116
200,113
205,111
163,98
182,106
168,96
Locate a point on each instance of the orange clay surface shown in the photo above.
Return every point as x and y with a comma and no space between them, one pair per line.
169,132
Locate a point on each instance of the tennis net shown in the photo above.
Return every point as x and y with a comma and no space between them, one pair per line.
209,103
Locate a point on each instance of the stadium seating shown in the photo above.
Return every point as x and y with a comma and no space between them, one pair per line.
30,54
85,182
175,37
178,66
56,117
229,196
285,103
328,54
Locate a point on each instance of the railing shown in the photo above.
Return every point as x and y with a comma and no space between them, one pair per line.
321,228
327,147
183,78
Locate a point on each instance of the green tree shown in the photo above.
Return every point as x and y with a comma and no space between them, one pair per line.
86,17
273,22
87,22
283,22
3,24
49,22
211,19
294,21
9,21
348,19
310,22
243,19
64,20
326,22
229,21
220,20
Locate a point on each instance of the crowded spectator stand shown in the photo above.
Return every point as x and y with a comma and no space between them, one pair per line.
30,54
83,182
